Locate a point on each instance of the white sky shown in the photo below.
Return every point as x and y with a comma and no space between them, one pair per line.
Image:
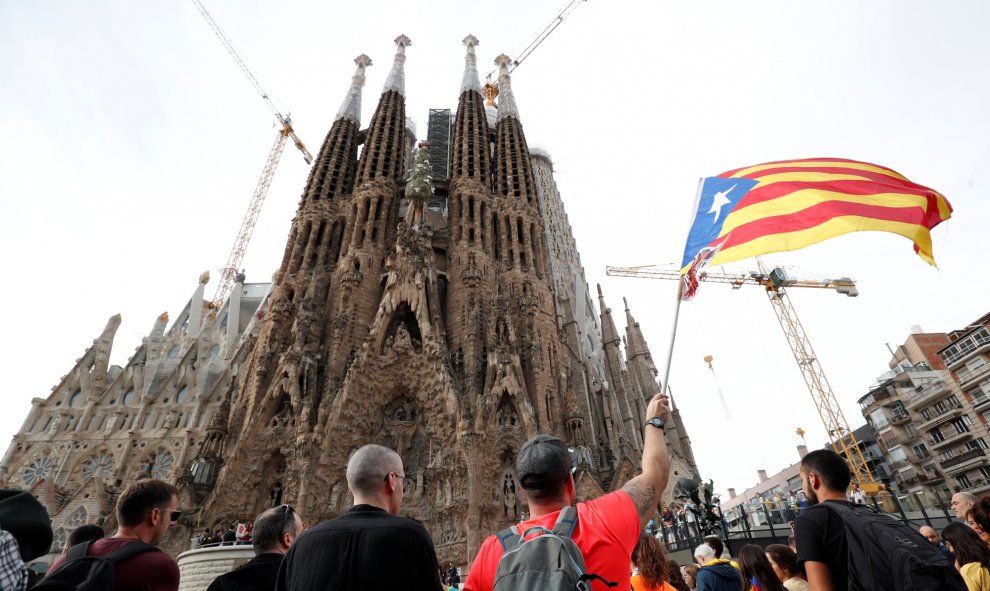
130,145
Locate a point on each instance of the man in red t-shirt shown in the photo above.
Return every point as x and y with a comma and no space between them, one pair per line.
608,527
145,511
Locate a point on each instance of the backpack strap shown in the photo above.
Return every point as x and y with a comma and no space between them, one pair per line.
78,551
509,538
566,522
128,550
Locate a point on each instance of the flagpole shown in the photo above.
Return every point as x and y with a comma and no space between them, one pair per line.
673,336
680,291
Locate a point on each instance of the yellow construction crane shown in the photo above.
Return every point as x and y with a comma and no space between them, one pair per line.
491,87
774,283
232,267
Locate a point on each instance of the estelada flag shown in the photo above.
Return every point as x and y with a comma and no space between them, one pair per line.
791,204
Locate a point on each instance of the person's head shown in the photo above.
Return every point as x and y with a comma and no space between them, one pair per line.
690,574
965,544
824,475
929,534
783,561
753,564
961,503
978,518
147,508
704,554
275,530
651,560
717,546
543,470
375,477
25,518
83,533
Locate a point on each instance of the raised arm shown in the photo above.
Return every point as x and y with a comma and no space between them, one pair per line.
646,488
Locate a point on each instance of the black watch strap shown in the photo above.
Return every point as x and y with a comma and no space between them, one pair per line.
656,422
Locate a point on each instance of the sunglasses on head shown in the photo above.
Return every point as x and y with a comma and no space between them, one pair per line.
287,512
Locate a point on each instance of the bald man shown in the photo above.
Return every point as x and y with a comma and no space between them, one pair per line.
931,535
961,503
369,546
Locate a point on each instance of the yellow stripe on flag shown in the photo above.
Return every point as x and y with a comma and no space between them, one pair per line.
810,177
833,227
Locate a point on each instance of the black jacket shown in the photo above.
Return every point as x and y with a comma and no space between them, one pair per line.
257,575
363,549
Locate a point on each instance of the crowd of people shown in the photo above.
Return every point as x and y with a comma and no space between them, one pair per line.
605,540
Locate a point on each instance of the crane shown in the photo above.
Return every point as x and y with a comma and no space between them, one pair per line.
491,87
775,283
285,133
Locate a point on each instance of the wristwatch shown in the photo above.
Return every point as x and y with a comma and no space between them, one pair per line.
656,422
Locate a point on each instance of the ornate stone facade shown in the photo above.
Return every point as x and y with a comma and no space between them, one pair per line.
449,327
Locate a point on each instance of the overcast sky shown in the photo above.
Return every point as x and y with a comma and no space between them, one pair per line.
130,145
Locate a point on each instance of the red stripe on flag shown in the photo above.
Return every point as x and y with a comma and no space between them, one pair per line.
818,214
759,194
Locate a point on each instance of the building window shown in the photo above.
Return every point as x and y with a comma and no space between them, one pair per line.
128,397
947,455
214,351
173,353
977,443
879,419
961,425
75,399
963,481
77,518
920,450
952,401
985,471
99,466
937,436
181,396
37,470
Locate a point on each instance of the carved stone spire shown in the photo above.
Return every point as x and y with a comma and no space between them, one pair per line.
470,81
397,76
351,107
506,101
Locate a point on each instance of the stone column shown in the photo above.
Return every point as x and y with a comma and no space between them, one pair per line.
234,314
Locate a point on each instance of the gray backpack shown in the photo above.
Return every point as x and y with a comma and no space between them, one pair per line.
550,561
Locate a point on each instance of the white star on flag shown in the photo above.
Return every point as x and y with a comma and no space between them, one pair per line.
720,200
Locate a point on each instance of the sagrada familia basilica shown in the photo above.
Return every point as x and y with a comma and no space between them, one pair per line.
444,314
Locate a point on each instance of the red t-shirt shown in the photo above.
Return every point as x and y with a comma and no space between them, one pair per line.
147,571
607,531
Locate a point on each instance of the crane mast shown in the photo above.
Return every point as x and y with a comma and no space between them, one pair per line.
491,87
774,283
236,256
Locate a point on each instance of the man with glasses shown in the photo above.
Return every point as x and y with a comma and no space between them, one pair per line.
369,546
274,532
145,511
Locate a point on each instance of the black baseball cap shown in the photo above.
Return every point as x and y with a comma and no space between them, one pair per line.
543,463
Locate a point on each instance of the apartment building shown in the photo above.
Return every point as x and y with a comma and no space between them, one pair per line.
926,412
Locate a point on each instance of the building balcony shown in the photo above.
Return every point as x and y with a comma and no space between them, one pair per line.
966,461
981,402
960,351
899,418
948,441
929,393
949,414
967,377
979,489
930,477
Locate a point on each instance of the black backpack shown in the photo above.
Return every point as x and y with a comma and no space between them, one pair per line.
89,573
886,555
